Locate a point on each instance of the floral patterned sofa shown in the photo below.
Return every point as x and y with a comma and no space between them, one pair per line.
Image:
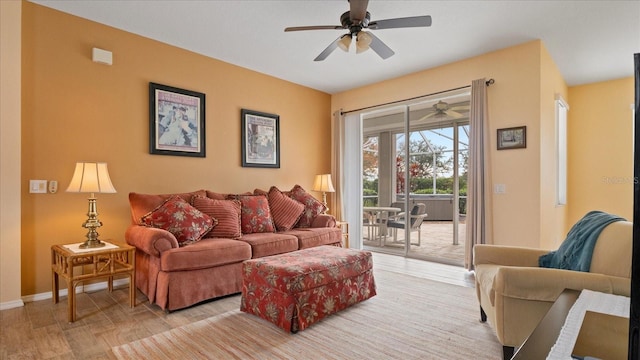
190,246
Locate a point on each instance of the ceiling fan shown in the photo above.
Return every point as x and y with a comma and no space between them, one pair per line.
356,20
442,108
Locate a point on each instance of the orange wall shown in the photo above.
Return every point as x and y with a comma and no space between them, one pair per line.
514,100
600,148
74,109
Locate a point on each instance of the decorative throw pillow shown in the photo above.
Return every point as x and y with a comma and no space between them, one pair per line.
260,192
312,207
284,210
227,212
185,222
215,195
142,204
255,216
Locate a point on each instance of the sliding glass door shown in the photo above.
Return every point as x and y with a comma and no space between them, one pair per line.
380,204
414,169
437,191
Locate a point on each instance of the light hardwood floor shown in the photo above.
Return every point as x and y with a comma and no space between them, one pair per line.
40,330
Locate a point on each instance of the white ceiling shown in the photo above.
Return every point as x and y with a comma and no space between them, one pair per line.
590,41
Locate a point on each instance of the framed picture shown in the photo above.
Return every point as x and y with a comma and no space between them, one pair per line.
260,139
176,121
512,138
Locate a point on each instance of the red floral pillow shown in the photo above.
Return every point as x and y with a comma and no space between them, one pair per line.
312,207
227,212
185,222
284,210
255,216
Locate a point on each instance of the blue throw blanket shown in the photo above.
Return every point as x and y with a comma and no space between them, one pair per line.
576,250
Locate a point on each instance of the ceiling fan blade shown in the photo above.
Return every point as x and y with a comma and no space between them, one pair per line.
453,114
427,116
326,52
461,107
318,27
415,21
358,10
379,47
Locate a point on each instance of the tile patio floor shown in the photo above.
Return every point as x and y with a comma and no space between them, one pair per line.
436,242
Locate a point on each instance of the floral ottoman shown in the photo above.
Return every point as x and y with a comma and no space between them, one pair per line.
297,289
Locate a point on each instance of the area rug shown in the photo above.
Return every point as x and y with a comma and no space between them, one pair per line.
410,318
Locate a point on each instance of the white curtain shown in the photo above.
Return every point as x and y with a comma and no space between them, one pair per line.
347,169
479,209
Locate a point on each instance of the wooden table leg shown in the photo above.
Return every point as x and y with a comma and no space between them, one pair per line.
55,285
132,278
71,299
132,290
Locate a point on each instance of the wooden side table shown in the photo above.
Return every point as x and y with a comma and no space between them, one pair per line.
344,226
114,259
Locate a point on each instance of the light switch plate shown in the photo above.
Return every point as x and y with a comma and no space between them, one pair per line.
38,186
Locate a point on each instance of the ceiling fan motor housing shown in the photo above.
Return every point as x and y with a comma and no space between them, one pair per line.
355,21
441,106
354,25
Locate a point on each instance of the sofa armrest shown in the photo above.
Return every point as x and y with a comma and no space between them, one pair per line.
150,240
543,284
506,255
324,220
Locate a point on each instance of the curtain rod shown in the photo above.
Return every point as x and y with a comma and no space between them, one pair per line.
488,82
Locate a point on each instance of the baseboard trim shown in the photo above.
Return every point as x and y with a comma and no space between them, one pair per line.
79,289
11,304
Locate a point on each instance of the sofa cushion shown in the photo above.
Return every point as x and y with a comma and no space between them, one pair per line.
205,254
312,237
312,207
184,221
227,212
284,210
142,204
266,244
255,216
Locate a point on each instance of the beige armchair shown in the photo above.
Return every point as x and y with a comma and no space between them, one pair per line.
515,294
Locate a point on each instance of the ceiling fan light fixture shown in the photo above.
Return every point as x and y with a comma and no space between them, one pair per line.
363,41
345,42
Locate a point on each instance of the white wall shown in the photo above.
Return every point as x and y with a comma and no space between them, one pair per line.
10,124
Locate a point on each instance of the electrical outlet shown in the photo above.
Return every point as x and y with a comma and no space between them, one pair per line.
53,186
38,186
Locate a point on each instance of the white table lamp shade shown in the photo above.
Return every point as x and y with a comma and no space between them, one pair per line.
323,183
91,177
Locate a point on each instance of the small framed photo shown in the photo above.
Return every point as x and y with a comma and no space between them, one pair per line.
176,121
260,139
512,138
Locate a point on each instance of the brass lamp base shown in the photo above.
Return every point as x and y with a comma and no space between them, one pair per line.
324,202
89,244
92,224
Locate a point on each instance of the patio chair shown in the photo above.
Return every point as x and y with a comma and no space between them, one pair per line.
375,220
417,216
